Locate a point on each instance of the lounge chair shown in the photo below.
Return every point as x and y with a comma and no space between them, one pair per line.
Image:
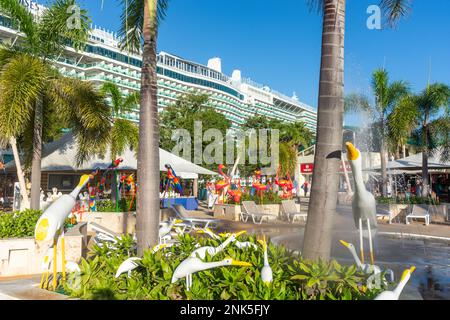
419,212
385,213
291,212
193,218
251,210
104,235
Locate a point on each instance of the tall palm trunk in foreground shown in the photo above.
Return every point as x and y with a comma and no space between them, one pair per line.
147,210
325,184
37,156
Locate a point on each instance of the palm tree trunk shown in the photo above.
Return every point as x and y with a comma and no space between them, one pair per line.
325,183
20,176
147,211
425,176
37,153
384,178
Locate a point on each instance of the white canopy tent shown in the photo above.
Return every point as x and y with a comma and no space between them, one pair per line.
414,163
60,155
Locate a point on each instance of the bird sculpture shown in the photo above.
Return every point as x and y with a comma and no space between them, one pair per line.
72,266
173,179
364,267
236,194
395,294
51,223
239,244
266,271
259,186
193,265
209,232
363,204
222,184
165,229
128,266
212,251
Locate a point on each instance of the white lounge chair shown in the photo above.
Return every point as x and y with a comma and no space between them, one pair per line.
419,212
291,212
194,221
385,213
251,210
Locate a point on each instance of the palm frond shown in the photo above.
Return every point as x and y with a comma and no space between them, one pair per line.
124,134
21,81
25,20
132,22
65,22
402,121
112,91
131,102
394,10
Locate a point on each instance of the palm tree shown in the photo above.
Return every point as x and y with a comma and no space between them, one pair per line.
45,38
387,99
140,21
433,131
317,239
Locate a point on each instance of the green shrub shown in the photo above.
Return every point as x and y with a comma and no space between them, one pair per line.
293,277
269,198
109,206
411,200
18,224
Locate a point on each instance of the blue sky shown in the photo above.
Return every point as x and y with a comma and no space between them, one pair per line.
277,42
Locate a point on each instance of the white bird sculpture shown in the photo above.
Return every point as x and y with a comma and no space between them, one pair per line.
395,294
165,229
72,266
128,266
212,251
364,206
366,268
266,271
192,265
239,244
209,232
51,223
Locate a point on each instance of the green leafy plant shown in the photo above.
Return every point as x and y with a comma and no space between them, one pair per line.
18,224
293,277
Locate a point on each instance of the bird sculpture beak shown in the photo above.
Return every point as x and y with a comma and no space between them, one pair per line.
84,179
178,221
240,263
352,152
240,233
344,243
407,272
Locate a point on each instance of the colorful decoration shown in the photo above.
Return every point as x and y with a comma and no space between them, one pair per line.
364,206
222,184
257,184
236,194
286,185
173,179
